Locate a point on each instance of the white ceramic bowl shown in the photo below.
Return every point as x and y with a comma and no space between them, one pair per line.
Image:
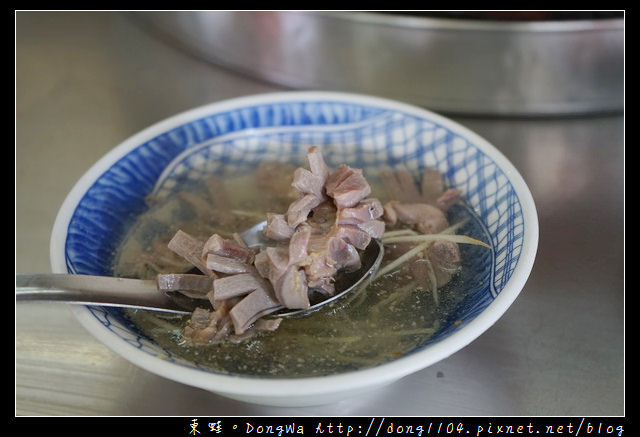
363,131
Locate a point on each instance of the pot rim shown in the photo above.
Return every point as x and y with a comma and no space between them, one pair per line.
463,24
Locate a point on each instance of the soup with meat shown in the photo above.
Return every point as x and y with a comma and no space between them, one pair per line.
319,220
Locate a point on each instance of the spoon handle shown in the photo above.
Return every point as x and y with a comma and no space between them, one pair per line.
88,289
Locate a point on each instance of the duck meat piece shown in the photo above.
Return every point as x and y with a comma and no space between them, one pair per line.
277,227
432,185
368,209
278,262
448,199
298,245
428,219
262,324
224,328
438,265
337,177
190,248
390,216
262,263
390,184
200,318
446,260
319,265
253,306
227,248
222,264
272,262
200,328
343,255
352,235
192,285
434,191
288,280
209,327
299,210
292,290
400,185
234,286
317,163
308,183
375,228
347,186
408,187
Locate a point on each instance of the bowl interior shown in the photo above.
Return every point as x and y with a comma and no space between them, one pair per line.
234,136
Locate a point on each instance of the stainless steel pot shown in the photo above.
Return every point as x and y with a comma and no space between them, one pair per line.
465,66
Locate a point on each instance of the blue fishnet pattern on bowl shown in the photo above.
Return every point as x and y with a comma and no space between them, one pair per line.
361,136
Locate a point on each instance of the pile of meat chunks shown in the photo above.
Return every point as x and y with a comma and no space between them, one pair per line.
322,232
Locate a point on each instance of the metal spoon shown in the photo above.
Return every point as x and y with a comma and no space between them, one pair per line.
144,294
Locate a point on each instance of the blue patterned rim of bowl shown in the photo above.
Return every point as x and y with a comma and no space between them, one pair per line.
365,133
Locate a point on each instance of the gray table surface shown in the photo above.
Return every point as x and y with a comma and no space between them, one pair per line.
86,81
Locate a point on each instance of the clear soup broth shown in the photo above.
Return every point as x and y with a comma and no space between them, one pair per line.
389,318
